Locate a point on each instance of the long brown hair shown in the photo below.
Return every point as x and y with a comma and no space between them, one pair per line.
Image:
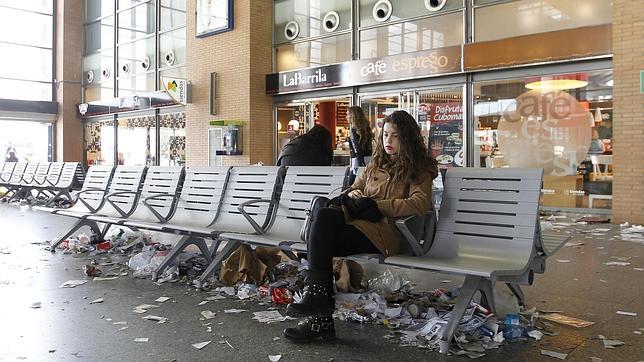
362,126
413,161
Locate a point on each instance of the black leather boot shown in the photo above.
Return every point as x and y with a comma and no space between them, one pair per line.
314,301
317,298
311,329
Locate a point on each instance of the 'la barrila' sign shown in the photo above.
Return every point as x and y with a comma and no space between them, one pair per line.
364,71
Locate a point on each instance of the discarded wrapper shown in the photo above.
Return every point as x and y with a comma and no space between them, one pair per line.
281,296
563,319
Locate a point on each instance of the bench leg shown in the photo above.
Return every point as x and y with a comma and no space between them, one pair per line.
183,243
79,224
470,286
516,290
230,247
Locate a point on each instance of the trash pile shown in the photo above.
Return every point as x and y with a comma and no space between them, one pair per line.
127,250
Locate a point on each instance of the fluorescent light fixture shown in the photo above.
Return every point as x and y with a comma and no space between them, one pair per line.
558,82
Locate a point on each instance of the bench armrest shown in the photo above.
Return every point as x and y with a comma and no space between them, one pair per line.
88,206
416,228
116,207
252,222
160,217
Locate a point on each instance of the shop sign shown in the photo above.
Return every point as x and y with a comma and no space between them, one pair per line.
333,75
405,66
177,88
127,104
365,71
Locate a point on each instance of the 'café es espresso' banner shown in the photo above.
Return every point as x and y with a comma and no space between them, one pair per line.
364,71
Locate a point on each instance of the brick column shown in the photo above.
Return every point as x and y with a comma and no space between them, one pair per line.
69,61
241,58
628,112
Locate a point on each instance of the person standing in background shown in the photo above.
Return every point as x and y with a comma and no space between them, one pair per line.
360,138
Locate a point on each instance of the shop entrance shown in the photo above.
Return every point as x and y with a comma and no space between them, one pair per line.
439,113
297,117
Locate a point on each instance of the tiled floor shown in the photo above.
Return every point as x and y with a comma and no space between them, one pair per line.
68,328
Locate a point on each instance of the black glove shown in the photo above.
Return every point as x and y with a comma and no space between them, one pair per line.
363,208
368,209
335,202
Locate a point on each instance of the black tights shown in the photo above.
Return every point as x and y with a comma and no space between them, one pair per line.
330,237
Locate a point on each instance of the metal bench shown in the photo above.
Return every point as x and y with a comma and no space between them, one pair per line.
118,201
301,185
488,231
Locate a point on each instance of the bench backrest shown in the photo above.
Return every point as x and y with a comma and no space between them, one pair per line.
7,170
18,171
301,185
66,178
200,196
31,170
52,173
126,179
158,180
97,178
490,213
244,184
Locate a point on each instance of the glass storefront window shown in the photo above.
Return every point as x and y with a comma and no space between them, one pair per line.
173,139
430,33
25,62
136,22
173,14
29,141
41,6
25,90
535,16
172,48
99,142
136,84
136,58
136,141
309,15
544,122
335,49
102,84
23,27
99,34
404,10
95,9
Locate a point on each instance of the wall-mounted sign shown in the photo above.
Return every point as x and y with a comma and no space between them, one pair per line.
127,104
213,17
177,88
333,75
396,67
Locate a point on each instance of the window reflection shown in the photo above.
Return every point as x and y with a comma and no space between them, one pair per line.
99,142
565,131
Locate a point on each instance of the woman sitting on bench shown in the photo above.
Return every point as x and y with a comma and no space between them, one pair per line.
396,183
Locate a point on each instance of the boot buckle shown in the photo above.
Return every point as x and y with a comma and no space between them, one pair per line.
326,325
315,327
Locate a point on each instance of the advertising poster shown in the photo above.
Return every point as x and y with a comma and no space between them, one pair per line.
446,134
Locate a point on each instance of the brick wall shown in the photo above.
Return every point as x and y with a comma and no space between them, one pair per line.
241,58
69,58
628,112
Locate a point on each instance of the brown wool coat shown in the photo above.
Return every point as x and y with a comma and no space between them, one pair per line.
394,201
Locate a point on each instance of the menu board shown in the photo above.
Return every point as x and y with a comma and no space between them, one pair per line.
341,114
446,133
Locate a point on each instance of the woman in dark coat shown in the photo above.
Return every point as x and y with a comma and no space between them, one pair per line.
310,149
360,138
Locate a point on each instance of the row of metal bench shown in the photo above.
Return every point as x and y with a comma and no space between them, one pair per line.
488,230
50,179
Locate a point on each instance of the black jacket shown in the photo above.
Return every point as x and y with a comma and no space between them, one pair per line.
300,153
356,149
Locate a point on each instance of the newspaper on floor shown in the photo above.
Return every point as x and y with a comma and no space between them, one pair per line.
201,345
269,316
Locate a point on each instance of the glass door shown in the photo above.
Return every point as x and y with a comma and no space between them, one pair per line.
377,106
292,120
